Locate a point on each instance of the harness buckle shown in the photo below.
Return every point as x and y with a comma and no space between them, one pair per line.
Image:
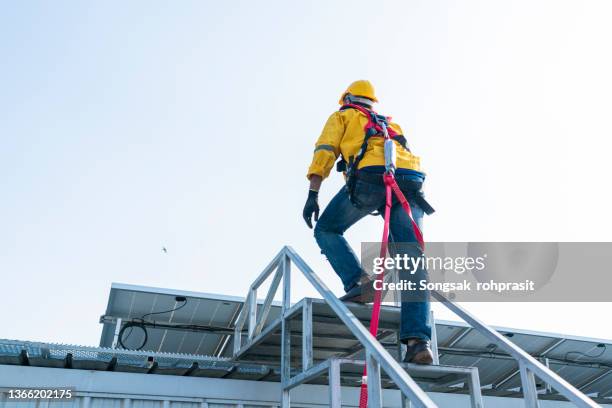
390,151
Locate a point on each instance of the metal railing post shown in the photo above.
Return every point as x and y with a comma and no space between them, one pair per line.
528,386
285,333
434,339
240,324
475,391
117,331
399,347
548,389
252,319
335,390
286,265
374,383
307,335
237,340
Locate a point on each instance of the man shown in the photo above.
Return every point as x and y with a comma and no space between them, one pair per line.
344,135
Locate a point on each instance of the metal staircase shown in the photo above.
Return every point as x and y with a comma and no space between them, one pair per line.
327,341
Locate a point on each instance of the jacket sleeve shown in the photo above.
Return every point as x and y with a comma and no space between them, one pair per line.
327,148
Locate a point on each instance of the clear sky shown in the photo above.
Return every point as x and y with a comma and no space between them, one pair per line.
126,127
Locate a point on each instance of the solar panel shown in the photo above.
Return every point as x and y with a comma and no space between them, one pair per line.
199,321
584,362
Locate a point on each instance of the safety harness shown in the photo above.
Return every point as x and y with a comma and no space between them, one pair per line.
378,126
373,128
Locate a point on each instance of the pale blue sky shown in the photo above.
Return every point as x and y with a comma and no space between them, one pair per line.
126,126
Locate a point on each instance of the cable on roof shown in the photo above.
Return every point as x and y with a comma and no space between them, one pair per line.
141,324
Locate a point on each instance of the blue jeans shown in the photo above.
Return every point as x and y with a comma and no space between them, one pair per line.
341,214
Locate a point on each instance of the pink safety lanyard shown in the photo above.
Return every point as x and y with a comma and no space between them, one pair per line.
391,187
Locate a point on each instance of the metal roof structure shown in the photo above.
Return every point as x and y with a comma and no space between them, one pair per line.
27,353
205,324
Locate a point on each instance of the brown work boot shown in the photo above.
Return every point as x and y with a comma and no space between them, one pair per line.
419,352
354,294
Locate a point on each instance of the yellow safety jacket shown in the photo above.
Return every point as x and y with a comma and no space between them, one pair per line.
344,134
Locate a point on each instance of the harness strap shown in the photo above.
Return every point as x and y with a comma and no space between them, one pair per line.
373,128
373,119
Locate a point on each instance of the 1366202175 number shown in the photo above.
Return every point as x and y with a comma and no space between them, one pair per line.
39,393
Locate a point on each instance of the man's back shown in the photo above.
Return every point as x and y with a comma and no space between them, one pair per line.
344,135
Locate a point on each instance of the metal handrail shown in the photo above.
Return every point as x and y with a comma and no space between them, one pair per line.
528,365
376,355
379,357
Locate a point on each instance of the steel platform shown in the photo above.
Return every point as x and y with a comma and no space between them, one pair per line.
330,336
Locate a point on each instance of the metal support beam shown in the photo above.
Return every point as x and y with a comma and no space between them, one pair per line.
551,347
268,270
307,335
594,379
365,322
382,338
267,305
434,339
374,383
528,386
310,374
239,325
252,299
400,347
507,377
68,361
547,387
335,390
285,334
252,308
23,358
286,272
116,335
460,336
473,381
456,339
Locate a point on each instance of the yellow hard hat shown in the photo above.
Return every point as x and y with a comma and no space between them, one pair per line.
363,88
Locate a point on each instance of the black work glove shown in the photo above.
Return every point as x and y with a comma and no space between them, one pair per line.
311,206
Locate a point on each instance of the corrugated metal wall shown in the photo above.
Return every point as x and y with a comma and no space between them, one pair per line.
105,402
104,389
